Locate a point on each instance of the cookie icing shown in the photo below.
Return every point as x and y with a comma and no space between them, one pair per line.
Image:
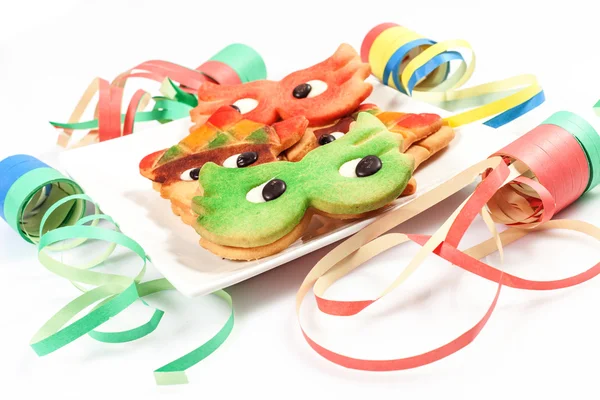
244,106
255,194
317,88
348,169
231,162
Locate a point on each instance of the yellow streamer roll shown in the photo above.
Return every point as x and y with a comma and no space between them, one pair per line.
420,67
386,44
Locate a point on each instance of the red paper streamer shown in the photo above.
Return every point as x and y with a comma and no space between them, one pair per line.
560,175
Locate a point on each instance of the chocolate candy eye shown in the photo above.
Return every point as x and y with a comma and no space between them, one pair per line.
246,158
273,189
195,173
361,167
270,190
326,139
191,174
241,160
235,108
302,91
245,105
368,166
309,89
330,138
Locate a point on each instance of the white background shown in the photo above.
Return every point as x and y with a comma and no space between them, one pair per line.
537,345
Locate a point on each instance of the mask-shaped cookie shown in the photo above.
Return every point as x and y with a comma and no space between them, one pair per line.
251,213
322,93
227,139
412,127
423,135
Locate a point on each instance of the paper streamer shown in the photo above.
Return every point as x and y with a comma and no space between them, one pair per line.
587,137
420,68
236,63
524,185
48,209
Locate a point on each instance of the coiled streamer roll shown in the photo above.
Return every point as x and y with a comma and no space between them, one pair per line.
48,209
420,67
563,157
524,185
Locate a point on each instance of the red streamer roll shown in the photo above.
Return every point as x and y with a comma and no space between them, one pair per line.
556,161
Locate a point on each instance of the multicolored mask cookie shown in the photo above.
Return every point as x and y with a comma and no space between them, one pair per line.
423,135
322,93
251,213
227,139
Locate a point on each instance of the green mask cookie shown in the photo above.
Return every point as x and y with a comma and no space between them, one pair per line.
238,209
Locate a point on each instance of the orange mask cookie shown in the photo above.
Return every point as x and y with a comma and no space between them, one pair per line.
322,93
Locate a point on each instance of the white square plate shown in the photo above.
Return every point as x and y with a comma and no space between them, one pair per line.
108,172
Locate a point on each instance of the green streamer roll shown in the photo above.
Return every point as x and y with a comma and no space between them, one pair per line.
48,209
246,61
586,136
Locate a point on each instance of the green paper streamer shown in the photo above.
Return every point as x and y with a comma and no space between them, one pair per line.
173,91
57,223
165,110
172,373
244,60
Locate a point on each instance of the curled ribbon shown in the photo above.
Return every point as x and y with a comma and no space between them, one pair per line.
420,68
236,63
524,185
48,209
